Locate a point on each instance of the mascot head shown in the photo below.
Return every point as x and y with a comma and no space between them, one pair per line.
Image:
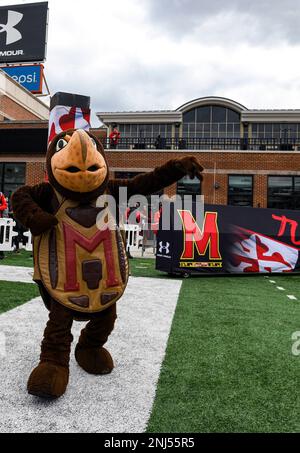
76,165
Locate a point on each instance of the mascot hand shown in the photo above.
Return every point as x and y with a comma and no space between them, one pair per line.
41,222
190,166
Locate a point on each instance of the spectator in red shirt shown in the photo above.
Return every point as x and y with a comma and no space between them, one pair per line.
3,204
156,218
138,212
3,207
114,138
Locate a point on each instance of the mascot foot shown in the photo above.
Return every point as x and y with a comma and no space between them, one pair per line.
94,360
48,380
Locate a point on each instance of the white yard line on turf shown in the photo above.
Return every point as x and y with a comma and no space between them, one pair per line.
16,274
280,288
119,402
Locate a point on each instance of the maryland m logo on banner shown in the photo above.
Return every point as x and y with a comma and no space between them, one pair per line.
231,240
205,239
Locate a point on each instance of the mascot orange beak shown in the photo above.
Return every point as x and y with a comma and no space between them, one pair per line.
77,164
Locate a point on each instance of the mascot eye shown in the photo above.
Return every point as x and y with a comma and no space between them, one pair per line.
61,144
94,143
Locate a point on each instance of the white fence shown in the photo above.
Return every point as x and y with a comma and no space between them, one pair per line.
28,245
135,241
133,237
7,233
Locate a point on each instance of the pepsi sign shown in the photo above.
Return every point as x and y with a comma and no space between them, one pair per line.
29,76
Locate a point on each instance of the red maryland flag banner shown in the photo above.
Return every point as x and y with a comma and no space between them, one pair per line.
63,118
68,111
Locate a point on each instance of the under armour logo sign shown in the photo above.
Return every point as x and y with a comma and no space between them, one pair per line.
165,248
12,34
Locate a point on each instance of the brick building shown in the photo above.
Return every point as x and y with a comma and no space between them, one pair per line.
23,135
251,157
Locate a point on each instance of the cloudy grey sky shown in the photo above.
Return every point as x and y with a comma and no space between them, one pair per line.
159,54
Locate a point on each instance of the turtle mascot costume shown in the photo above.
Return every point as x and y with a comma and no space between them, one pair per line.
81,270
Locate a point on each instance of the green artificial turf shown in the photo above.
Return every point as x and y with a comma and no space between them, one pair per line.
144,267
139,267
13,294
229,365
23,259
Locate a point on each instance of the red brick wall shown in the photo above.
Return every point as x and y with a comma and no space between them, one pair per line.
208,188
35,172
260,191
14,110
222,163
219,194
222,160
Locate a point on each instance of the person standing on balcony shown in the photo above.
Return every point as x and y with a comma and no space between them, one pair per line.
114,138
158,142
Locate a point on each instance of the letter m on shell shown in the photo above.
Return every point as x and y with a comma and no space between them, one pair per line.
73,238
202,239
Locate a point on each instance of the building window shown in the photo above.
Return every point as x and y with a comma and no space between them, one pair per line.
126,174
284,192
150,131
188,186
283,131
240,190
12,176
211,121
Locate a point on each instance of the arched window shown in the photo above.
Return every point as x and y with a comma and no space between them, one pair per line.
211,121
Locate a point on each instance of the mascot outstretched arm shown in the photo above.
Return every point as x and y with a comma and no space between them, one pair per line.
81,271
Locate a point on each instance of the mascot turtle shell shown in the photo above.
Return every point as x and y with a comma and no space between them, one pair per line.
81,266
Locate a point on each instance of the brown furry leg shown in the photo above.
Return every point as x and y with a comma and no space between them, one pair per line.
89,352
50,378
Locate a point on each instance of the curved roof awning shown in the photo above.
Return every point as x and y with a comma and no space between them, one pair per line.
212,100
